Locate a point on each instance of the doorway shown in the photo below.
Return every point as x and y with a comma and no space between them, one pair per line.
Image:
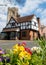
8,36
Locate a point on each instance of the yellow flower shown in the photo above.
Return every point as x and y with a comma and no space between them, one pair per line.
27,63
24,54
22,48
15,51
16,48
28,56
21,54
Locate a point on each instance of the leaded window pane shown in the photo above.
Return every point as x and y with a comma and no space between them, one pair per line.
18,24
23,23
23,27
29,26
26,23
12,21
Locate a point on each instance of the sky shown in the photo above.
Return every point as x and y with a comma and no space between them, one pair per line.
25,7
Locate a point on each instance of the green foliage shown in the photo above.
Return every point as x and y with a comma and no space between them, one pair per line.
42,43
36,60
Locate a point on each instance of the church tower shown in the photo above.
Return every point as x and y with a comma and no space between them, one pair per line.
12,12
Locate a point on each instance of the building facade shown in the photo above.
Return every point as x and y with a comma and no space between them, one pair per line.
24,28
43,31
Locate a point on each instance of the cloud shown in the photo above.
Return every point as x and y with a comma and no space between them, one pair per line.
43,13
43,21
4,4
42,16
2,25
3,17
39,10
21,3
30,6
3,21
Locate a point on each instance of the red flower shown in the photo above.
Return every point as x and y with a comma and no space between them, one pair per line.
28,50
23,44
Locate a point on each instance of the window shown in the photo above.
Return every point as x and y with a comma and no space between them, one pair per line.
15,24
24,34
18,24
26,27
26,23
23,27
34,23
29,26
11,21
23,23
12,24
12,34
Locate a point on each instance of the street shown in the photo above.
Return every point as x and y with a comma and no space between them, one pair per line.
6,44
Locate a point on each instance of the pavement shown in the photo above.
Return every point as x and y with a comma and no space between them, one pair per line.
7,44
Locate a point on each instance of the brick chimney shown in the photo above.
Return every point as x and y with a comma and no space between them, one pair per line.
38,19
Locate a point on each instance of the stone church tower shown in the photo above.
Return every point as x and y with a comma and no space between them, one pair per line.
12,12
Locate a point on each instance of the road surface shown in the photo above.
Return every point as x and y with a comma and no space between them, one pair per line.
6,44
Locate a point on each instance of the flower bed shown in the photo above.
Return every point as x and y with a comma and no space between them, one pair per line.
21,55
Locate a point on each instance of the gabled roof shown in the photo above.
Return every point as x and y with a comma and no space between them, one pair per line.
23,19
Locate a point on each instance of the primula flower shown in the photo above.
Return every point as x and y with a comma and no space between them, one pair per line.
28,50
1,51
7,60
19,44
22,48
23,44
3,60
36,49
0,59
16,47
24,54
0,48
26,63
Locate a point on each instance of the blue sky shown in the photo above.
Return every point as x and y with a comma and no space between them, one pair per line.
26,7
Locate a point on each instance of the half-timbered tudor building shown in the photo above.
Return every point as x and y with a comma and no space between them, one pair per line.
23,28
